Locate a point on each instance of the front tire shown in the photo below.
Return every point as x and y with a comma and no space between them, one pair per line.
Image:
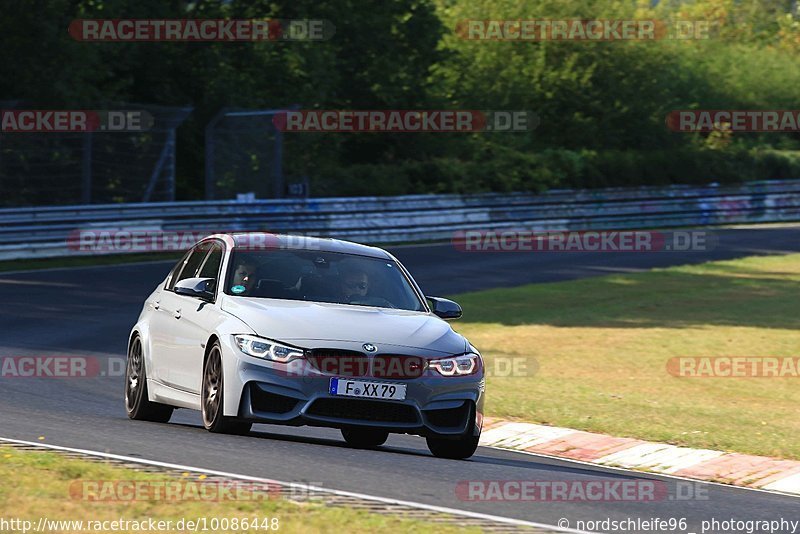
456,449
137,404
364,438
453,449
212,398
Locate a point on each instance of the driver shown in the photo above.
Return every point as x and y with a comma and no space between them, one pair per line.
244,276
354,284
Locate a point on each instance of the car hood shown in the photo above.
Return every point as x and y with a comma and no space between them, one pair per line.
305,324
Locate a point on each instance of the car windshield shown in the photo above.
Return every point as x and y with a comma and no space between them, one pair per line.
320,277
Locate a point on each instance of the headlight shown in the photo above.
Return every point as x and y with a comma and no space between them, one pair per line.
259,347
463,365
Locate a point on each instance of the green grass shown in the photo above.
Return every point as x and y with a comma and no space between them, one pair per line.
45,484
597,351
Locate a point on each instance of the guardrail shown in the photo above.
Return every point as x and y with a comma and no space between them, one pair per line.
44,231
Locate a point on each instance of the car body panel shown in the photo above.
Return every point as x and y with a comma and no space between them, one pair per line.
303,322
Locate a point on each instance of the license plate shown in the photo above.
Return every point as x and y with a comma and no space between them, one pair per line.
365,389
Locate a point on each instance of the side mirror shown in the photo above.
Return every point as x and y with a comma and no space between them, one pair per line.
446,309
202,288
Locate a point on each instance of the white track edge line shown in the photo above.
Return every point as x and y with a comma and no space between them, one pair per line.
640,472
341,493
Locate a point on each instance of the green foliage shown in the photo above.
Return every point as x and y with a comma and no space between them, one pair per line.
507,170
602,105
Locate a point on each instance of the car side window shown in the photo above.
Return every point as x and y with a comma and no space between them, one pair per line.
192,263
210,268
173,274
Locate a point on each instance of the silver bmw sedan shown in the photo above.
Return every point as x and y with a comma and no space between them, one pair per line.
263,328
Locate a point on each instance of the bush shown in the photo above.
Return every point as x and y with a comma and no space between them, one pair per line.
496,169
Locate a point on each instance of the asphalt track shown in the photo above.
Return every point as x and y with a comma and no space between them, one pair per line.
89,311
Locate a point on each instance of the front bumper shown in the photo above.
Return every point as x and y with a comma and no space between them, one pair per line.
440,406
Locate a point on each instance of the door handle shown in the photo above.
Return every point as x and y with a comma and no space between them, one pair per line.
156,304
177,314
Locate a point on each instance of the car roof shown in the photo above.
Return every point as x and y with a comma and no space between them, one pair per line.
297,242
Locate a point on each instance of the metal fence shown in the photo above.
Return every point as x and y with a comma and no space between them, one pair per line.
52,168
244,155
42,232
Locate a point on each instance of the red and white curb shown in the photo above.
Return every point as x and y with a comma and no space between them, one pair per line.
758,472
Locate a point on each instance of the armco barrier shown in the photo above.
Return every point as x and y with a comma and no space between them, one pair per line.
43,232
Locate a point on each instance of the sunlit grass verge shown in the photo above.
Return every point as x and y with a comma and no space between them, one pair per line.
597,349
42,484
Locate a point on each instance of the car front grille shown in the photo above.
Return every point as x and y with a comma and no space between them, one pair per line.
336,362
397,366
345,363
364,410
